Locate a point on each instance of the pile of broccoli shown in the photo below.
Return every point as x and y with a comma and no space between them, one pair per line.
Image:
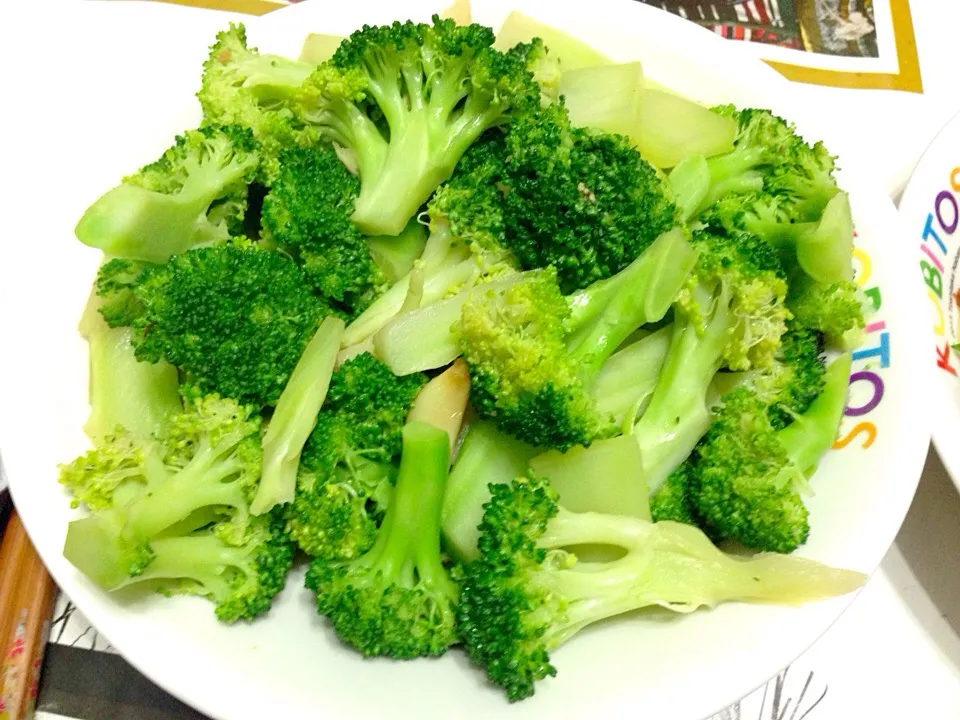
398,316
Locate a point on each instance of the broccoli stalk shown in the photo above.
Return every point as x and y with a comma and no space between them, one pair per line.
529,593
294,417
192,196
486,457
436,87
139,397
748,477
731,314
397,598
178,510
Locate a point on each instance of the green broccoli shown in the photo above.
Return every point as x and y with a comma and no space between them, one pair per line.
835,309
486,457
533,353
748,477
307,212
407,100
295,415
464,247
348,465
258,92
397,598
176,512
731,315
770,157
528,593
141,397
194,195
580,200
235,318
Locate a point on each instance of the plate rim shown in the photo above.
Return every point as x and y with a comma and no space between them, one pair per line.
946,446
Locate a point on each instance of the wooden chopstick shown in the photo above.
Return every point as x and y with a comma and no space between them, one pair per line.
27,593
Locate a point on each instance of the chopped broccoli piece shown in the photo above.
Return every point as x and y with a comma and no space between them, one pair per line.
242,87
768,156
732,315
307,212
528,592
407,100
533,353
464,247
194,195
176,511
748,476
295,415
397,599
348,464
582,201
235,318
486,457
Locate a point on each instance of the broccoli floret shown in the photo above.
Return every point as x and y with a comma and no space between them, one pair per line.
194,195
835,309
407,100
176,512
672,500
534,353
770,156
236,318
528,593
242,87
748,477
348,465
731,315
582,201
397,599
307,212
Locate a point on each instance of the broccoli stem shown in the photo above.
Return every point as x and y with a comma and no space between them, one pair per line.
201,558
140,397
605,477
407,548
626,381
669,564
395,256
295,415
812,434
422,154
487,456
608,312
446,264
678,414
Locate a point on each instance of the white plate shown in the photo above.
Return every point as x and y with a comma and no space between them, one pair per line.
929,207
117,102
